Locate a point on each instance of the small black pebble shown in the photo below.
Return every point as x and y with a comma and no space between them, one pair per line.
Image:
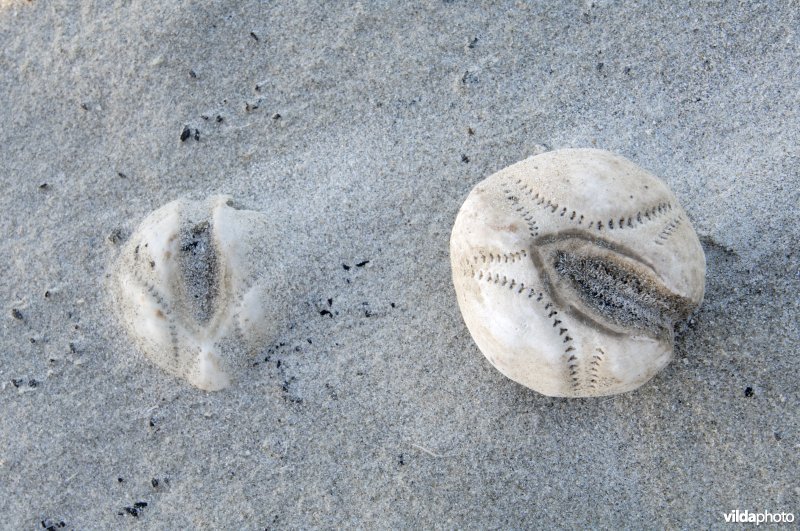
748,392
599,66
276,116
132,511
192,74
115,236
400,459
258,88
464,158
330,302
472,43
152,423
219,119
44,186
204,116
185,134
254,36
325,312
346,267
16,382
309,341
139,505
16,314
197,135
278,364
362,264
33,383
470,131
47,294
120,480
777,436
49,525
392,305
626,70
84,107
154,483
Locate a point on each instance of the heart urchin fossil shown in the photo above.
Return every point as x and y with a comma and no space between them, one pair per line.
189,288
571,269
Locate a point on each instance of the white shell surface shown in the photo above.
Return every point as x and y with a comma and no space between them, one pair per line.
571,268
190,288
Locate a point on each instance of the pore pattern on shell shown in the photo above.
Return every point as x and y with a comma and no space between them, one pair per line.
571,269
190,288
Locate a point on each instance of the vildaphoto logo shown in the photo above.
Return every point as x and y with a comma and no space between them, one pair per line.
764,517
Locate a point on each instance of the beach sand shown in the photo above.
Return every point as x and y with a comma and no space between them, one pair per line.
361,128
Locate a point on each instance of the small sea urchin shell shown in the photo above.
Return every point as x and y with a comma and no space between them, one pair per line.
571,269
189,289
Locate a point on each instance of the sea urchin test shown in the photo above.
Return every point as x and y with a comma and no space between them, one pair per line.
191,290
571,269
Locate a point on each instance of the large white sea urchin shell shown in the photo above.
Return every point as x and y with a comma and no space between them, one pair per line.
571,268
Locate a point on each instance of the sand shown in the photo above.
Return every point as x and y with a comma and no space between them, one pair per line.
361,128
